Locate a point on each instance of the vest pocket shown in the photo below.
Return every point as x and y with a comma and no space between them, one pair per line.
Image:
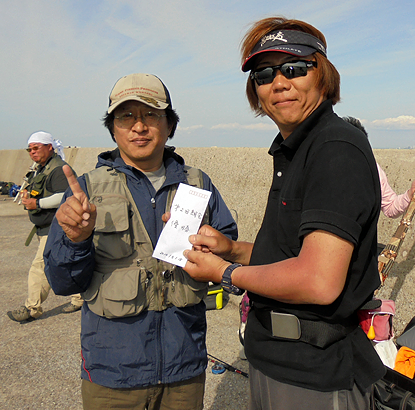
38,185
112,237
117,294
184,290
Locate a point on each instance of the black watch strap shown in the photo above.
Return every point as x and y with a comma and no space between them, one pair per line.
227,280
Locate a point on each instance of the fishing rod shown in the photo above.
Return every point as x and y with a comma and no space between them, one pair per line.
25,183
387,257
227,366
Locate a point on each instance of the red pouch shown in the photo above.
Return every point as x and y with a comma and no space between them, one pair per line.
377,323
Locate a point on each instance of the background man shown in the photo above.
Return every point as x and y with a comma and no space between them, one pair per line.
143,323
393,205
314,260
47,183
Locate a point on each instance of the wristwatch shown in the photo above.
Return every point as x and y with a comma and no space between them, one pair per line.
227,280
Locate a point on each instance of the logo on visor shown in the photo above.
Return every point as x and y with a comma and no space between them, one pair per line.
151,101
272,37
321,47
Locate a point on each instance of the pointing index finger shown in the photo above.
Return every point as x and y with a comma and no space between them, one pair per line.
77,191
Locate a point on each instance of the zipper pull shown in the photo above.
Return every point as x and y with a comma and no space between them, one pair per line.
153,203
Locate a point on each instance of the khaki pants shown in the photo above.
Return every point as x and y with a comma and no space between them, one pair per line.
38,285
187,395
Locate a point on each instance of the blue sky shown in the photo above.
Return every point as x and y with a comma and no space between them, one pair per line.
60,60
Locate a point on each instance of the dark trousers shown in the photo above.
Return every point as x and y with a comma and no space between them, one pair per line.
269,394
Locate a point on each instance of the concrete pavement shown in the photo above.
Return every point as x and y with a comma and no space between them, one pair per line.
41,361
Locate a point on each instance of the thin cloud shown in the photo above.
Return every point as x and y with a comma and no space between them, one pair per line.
63,57
191,128
403,122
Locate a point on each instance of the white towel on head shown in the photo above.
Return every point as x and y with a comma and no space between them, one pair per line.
46,138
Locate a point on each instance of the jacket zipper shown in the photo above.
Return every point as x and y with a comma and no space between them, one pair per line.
160,347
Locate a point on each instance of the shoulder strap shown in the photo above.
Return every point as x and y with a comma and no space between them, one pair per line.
97,175
194,176
55,162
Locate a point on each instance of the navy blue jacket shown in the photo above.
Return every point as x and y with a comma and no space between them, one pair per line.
153,347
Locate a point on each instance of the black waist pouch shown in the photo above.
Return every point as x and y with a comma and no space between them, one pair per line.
394,391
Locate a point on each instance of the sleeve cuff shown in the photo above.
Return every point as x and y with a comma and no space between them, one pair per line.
79,248
331,222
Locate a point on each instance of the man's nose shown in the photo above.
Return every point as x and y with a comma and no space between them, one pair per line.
139,122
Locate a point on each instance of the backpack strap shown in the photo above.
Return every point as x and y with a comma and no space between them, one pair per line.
194,176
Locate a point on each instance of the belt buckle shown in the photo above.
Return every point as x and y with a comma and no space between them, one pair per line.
285,325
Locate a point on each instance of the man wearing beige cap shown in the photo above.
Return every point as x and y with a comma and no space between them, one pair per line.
47,183
143,323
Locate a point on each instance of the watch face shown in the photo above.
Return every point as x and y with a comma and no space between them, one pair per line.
227,280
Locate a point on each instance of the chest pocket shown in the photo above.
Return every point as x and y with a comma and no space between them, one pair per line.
112,237
38,185
290,219
36,189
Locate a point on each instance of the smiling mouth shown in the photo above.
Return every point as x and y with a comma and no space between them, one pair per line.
140,141
283,102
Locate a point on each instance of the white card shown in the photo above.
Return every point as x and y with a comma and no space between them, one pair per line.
187,210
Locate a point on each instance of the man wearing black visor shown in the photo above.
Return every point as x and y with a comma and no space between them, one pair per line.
313,263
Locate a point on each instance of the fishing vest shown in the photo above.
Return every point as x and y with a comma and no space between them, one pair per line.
126,278
37,183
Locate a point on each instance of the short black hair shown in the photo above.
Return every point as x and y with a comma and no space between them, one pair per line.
172,120
356,123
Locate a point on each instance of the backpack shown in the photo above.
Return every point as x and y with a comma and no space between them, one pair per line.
4,188
393,391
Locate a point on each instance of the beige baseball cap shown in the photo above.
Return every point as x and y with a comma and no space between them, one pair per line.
145,88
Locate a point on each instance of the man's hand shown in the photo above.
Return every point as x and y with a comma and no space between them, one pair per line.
29,203
76,215
202,263
205,267
165,217
209,240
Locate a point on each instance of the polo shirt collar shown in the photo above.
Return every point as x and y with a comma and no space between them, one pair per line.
293,142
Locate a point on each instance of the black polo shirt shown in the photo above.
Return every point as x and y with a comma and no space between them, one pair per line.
325,178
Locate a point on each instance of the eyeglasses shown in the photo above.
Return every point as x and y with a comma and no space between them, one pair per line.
291,69
34,148
128,119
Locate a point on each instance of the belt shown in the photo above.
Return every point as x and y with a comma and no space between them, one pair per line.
316,333
32,233
30,237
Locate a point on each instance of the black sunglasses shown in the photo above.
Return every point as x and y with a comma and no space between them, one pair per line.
292,69
34,148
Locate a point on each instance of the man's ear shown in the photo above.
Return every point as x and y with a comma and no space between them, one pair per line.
170,130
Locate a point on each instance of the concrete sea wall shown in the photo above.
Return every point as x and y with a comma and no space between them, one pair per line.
242,175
